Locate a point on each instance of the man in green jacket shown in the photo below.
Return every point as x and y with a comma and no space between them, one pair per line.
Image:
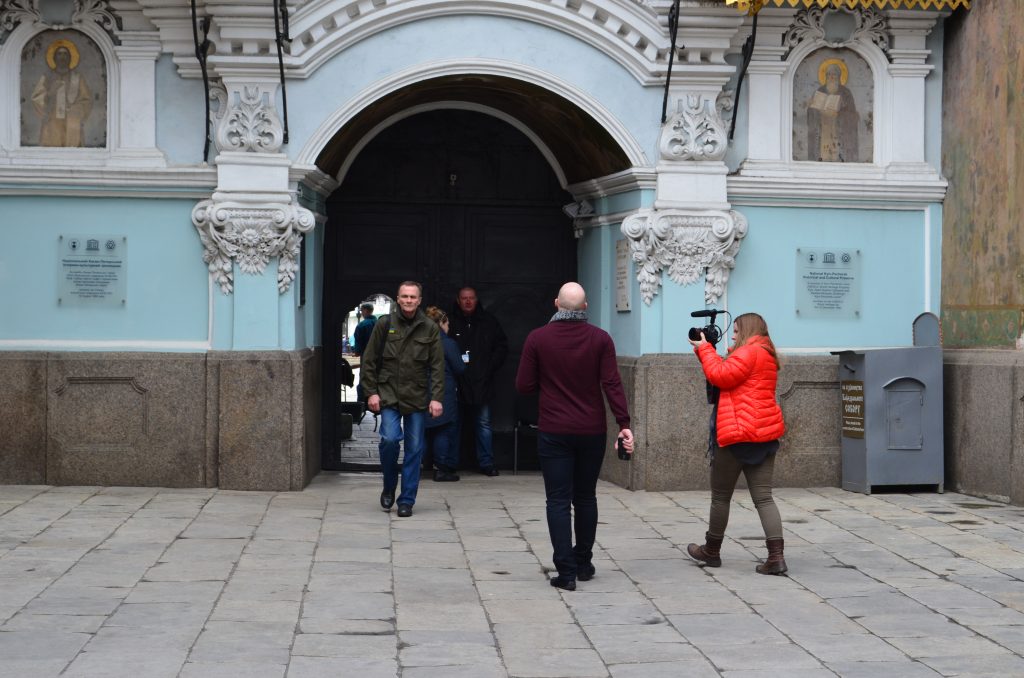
402,353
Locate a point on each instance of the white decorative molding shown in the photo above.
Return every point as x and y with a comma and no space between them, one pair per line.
15,12
334,122
687,244
695,132
97,11
247,121
870,26
251,234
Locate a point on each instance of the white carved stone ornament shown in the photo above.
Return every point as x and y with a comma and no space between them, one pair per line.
687,244
249,123
870,26
696,132
251,235
14,12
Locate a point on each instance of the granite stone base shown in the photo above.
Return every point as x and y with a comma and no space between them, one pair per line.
984,423
670,412
983,396
245,421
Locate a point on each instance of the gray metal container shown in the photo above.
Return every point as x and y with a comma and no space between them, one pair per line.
892,413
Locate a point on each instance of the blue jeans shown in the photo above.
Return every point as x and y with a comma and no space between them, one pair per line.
443,442
570,465
480,417
391,426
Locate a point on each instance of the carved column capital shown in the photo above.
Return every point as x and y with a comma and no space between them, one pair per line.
251,234
695,132
246,118
686,244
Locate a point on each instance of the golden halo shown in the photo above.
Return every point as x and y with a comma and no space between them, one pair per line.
844,73
57,44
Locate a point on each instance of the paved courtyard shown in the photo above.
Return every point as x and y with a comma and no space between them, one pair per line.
162,582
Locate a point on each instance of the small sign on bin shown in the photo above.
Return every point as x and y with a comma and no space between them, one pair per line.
853,408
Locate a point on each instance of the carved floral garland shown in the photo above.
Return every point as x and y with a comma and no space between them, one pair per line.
252,236
688,245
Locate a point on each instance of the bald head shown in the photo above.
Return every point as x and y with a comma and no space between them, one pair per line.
571,297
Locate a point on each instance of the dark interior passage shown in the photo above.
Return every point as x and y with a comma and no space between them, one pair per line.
449,198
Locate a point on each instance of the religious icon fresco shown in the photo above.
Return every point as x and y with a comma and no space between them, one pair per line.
63,92
833,107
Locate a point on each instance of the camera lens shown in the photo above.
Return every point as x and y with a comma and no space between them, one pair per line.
694,334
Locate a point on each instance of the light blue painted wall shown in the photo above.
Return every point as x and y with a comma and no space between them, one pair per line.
333,85
894,247
181,111
167,281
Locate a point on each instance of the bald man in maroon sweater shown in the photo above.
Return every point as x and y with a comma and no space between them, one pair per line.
571,363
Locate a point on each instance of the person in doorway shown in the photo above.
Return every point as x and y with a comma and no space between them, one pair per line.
443,431
484,348
403,351
571,362
361,334
746,425
360,337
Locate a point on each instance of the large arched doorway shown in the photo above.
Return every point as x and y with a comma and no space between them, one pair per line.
452,198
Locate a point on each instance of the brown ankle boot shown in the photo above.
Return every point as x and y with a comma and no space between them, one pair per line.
708,555
775,564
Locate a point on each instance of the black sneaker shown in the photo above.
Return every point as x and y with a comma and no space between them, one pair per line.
387,499
445,477
585,572
404,510
490,471
561,582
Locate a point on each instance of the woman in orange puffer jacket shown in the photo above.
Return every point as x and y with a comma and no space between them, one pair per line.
746,428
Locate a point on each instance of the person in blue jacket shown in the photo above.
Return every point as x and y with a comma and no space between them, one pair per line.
443,431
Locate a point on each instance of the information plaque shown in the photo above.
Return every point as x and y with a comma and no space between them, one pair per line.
828,282
92,270
853,408
623,284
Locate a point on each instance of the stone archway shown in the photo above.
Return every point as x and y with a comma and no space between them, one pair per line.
460,180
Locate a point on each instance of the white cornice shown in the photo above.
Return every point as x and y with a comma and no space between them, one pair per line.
837,187
182,182
632,179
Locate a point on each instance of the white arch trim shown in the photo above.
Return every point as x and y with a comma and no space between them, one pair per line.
618,132
627,32
460,106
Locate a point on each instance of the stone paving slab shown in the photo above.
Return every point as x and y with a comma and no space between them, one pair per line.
197,582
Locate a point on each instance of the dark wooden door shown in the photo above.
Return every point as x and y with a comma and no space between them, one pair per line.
450,198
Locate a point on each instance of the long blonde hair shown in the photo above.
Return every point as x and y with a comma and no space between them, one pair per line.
752,325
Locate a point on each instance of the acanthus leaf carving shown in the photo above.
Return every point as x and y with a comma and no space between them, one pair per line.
696,132
251,235
249,123
15,12
685,244
94,10
870,26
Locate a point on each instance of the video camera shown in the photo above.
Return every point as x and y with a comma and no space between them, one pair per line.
712,333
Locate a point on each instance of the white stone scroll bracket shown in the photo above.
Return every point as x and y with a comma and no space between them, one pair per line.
251,234
687,244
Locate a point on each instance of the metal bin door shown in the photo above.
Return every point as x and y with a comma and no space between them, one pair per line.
904,414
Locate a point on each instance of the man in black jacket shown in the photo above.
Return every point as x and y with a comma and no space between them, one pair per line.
484,347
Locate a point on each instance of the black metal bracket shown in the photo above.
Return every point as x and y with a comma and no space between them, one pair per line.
748,53
673,30
202,51
280,37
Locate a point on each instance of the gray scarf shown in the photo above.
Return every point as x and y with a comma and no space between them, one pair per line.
572,316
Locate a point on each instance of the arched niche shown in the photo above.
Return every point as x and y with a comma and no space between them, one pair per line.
63,87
